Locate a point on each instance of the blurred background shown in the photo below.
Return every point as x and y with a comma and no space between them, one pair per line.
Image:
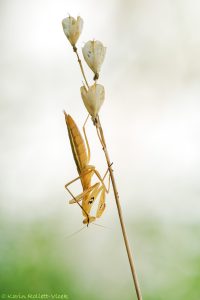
151,120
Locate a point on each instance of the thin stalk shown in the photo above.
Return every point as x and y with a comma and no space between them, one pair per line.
117,200
81,66
123,227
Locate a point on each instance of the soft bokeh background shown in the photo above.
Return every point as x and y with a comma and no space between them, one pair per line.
151,119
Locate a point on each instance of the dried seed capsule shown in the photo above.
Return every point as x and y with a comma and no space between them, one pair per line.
94,54
72,28
93,98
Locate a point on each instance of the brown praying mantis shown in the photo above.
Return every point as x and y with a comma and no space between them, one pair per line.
86,172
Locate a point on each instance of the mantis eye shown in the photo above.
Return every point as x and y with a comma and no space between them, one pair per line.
91,200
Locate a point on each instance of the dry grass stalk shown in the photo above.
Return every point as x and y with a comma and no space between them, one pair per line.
94,53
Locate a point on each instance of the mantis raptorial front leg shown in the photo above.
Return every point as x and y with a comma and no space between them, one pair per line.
89,195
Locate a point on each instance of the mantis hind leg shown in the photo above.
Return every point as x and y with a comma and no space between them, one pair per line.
88,150
102,179
108,188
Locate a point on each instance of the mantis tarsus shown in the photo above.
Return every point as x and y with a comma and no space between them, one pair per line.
86,172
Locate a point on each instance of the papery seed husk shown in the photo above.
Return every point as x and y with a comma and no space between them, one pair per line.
93,98
72,28
94,54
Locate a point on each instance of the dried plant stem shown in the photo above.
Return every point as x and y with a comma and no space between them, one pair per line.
125,236
81,66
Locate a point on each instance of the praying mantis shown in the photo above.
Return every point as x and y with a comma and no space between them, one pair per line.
86,172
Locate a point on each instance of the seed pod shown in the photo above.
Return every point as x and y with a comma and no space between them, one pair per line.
72,28
94,54
93,98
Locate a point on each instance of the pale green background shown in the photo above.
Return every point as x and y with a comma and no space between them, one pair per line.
151,118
